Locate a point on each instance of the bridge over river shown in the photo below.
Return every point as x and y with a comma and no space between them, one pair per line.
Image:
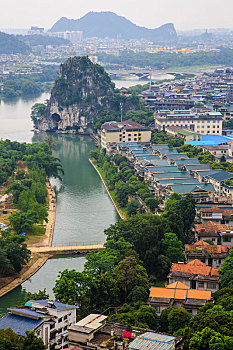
83,248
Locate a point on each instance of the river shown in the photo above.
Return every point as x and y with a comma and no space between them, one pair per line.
83,209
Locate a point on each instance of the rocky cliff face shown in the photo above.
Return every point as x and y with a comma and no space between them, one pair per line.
82,90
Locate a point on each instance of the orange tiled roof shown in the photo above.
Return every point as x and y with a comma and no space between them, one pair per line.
178,285
181,294
195,267
210,226
198,246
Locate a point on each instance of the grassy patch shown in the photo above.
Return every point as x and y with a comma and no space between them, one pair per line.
35,235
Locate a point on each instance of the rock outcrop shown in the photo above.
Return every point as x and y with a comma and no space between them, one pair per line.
82,90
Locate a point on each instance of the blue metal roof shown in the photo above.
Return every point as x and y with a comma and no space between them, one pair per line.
210,139
187,161
19,324
190,180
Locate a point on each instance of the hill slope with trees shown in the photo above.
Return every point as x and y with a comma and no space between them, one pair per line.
9,44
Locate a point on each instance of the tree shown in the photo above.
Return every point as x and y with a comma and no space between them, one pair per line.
152,203
14,252
21,222
129,274
104,292
9,340
172,247
208,339
36,296
226,271
132,207
71,286
178,318
137,294
144,232
122,193
163,319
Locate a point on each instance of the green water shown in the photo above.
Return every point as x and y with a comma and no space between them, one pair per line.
83,209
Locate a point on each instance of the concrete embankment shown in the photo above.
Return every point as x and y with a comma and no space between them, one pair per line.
37,261
121,216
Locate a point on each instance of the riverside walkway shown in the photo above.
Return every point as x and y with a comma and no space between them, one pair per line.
68,249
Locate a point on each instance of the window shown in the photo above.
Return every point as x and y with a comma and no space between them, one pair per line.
135,134
65,317
226,239
219,261
129,139
211,285
157,308
60,320
201,284
129,135
135,139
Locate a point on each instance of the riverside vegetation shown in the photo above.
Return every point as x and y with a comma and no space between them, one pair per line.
23,174
28,85
139,252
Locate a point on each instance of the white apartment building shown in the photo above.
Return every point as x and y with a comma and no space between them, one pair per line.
49,320
208,123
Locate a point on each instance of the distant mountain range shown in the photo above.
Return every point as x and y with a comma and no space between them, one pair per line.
109,24
9,44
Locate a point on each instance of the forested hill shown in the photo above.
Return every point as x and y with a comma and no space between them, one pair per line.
102,24
34,40
9,44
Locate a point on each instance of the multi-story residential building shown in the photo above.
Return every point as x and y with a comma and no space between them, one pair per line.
211,255
49,320
126,131
180,295
195,275
219,233
216,215
209,123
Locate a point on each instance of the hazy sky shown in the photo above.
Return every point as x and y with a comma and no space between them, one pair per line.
185,14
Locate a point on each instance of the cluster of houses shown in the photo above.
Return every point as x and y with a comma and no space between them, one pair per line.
168,172
213,91
55,323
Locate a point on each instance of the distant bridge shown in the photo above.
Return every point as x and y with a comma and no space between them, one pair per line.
67,249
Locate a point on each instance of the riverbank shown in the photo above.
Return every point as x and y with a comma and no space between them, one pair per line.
36,261
122,216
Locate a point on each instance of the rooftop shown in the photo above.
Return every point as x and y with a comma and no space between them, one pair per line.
48,303
19,324
195,267
152,341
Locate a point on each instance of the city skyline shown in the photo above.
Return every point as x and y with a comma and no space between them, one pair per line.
185,15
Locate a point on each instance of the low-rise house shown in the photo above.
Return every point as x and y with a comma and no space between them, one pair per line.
83,332
219,233
180,295
49,320
153,341
216,215
195,275
211,255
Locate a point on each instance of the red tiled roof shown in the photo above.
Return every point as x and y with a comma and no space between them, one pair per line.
201,245
225,212
210,226
195,267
